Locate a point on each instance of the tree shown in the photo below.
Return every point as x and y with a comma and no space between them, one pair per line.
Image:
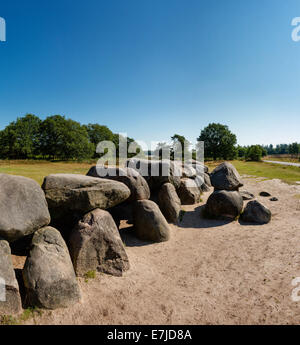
64,139
294,149
219,142
241,151
161,150
180,147
20,139
98,133
254,153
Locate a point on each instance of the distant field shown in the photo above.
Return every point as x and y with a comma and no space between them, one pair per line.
37,170
282,158
288,174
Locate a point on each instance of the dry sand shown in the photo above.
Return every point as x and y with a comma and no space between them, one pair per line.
210,272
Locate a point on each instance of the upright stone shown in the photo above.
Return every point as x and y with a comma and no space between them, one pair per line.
149,222
169,202
10,300
48,273
95,245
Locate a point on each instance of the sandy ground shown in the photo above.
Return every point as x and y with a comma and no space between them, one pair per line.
210,272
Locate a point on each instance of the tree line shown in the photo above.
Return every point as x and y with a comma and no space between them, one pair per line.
59,138
221,144
55,138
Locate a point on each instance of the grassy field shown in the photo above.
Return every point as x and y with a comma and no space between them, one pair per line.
288,174
37,170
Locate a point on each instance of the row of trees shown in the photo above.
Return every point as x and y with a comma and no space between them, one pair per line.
59,138
221,143
281,149
53,138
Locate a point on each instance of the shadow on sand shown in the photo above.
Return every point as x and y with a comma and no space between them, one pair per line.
195,219
128,237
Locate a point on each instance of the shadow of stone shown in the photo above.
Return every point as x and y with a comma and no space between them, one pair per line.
21,247
22,289
129,238
249,223
195,219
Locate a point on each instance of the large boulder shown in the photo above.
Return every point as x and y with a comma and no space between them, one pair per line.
200,167
169,202
226,177
255,212
95,245
224,204
149,222
134,181
156,172
48,274
23,207
189,191
10,300
71,196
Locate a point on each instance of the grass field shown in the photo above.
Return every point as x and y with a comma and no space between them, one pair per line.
37,170
288,174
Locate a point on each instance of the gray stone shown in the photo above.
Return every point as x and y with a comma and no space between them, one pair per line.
48,274
149,222
246,195
274,199
131,178
226,177
224,204
264,194
255,212
69,194
186,170
10,300
200,167
169,202
155,172
207,180
23,207
95,245
189,191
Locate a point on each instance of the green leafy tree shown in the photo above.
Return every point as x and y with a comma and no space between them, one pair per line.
294,149
20,139
241,151
219,142
64,139
97,134
180,147
254,153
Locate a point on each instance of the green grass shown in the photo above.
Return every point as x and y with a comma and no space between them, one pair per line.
18,320
37,170
89,275
288,174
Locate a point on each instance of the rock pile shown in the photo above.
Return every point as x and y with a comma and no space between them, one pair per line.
226,202
71,223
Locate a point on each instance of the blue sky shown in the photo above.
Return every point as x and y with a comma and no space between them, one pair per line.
153,68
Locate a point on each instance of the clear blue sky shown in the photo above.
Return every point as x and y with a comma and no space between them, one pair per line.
153,68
